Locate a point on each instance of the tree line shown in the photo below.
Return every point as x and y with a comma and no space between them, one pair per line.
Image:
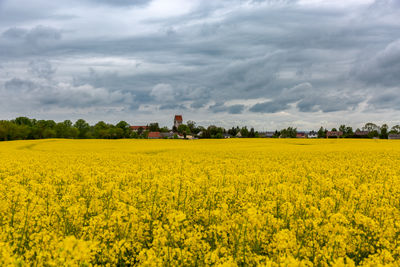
23,128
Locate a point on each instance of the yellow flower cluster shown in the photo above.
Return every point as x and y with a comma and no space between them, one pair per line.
231,202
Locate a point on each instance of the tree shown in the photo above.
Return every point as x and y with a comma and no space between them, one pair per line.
346,130
234,131
289,133
183,129
244,132
371,127
154,127
23,121
124,126
395,129
83,128
252,133
384,131
164,129
322,132
192,126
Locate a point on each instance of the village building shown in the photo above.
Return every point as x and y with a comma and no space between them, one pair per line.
361,134
178,121
301,135
312,135
334,134
137,128
226,135
266,134
154,135
394,136
168,135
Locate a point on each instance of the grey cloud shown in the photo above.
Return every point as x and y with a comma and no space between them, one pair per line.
221,107
383,68
257,52
386,99
36,34
17,85
122,2
235,109
268,107
173,106
52,94
42,69
307,99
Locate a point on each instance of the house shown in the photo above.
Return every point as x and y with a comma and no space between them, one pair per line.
168,135
334,134
301,135
238,134
394,136
137,128
154,135
312,135
226,135
178,121
266,134
361,134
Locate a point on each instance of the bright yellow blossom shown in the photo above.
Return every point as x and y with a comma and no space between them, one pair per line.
231,202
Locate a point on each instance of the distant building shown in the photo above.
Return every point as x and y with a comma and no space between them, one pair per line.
301,135
394,136
266,134
334,134
178,121
136,128
361,134
238,134
226,135
154,135
168,135
312,135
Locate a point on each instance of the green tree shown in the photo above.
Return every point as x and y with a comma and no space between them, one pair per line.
395,129
83,128
384,132
124,126
154,127
184,129
322,132
290,132
244,132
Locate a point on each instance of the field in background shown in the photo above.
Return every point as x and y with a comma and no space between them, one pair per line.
200,202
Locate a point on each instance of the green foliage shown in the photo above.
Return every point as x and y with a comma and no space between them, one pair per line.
322,132
290,132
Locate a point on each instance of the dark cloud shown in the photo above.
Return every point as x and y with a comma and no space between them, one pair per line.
34,35
236,109
221,107
42,69
17,85
382,68
122,2
307,59
268,107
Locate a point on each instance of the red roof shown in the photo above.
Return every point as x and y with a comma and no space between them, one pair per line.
361,133
135,128
154,135
178,118
333,133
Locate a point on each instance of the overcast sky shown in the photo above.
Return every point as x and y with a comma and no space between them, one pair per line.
266,64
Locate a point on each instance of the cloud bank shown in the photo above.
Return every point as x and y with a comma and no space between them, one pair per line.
267,64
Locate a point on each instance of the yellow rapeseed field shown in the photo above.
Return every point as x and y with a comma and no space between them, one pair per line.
231,202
